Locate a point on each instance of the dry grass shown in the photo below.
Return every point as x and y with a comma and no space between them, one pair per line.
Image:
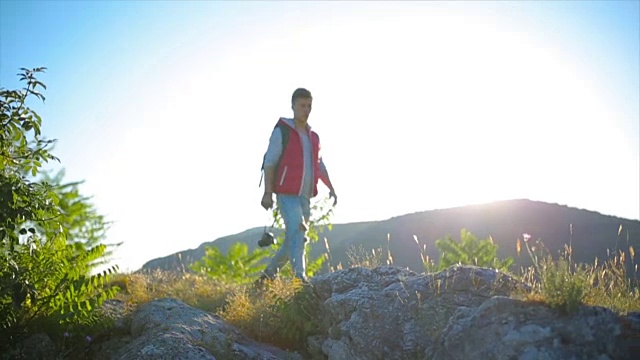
195,290
281,312
564,284
359,257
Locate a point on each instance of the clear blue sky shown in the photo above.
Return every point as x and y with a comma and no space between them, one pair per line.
164,107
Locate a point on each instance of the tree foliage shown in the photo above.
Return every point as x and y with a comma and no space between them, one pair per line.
79,219
50,236
468,251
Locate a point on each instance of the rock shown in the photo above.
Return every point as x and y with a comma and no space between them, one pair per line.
170,329
631,332
392,313
505,328
117,311
37,346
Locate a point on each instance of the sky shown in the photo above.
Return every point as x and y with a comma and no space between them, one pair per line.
164,108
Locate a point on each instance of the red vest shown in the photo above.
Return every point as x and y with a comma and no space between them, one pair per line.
290,172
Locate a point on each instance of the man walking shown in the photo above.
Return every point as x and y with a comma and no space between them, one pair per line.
292,169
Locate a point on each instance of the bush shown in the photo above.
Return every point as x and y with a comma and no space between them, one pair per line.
238,266
563,285
49,235
468,251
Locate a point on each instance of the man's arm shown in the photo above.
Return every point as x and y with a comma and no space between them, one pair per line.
324,176
269,176
271,158
267,197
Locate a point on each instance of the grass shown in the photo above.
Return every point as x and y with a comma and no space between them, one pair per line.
282,313
565,285
359,257
195,290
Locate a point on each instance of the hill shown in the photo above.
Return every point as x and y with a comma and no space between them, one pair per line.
592,234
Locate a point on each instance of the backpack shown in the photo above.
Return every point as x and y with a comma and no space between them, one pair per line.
284,130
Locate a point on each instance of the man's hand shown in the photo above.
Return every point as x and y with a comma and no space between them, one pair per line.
332,194
267,201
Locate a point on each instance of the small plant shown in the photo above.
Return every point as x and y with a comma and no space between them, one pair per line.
611,285
389,257
428,263
468,251
283,313
329,259
561,283
238,266
359,257
565,285
297,318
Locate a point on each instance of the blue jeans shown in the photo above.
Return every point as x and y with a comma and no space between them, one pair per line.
295,211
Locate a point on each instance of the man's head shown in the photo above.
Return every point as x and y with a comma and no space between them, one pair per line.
301,104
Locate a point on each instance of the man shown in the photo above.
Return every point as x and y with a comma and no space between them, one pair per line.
292,173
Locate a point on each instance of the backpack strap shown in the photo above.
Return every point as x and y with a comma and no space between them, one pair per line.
284,131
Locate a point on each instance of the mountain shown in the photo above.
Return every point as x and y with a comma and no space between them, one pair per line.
591,234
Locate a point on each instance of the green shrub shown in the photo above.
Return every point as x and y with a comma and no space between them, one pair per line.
50,236
562,284
237,266
468,251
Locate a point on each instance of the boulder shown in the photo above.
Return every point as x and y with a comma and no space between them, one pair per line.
503,328
37,346
394,313
170,329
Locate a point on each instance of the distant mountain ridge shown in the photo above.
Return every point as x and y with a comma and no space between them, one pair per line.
590,233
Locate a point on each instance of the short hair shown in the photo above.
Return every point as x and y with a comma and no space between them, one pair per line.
300,93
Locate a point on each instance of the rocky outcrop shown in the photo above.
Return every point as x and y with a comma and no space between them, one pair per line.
504,328
391,313
170,329
463,312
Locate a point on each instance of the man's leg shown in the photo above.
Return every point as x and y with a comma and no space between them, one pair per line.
306,213
282,255
278,260
295,228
